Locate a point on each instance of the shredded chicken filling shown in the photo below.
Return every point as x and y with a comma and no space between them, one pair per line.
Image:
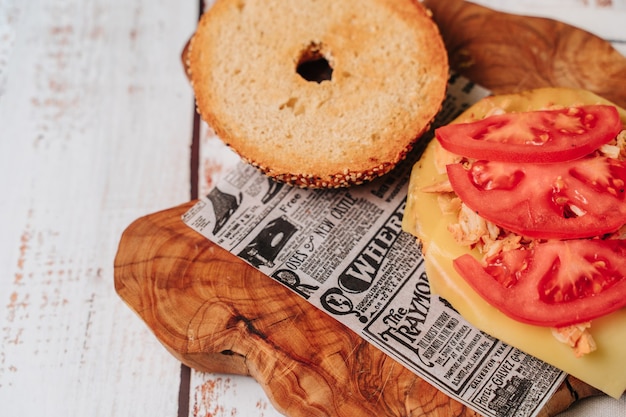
473,231
577,337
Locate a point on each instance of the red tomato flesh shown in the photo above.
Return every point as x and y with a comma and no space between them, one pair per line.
567,200
535,136
555,284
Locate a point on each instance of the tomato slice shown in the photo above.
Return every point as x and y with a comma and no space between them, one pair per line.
575,199
560,283
535,136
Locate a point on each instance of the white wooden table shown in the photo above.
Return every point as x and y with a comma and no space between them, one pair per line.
96,130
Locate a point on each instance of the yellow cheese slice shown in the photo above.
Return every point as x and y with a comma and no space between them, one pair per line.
423,218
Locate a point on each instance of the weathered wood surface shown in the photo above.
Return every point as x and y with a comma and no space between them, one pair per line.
95,127
95,131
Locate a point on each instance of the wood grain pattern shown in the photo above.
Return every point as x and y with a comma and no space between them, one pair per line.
215,313
510,53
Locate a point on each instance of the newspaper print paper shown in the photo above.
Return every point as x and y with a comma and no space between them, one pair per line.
345,252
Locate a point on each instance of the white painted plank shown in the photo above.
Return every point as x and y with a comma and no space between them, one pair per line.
217,395
95,127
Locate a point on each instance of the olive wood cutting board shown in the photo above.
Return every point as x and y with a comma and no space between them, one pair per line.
215,313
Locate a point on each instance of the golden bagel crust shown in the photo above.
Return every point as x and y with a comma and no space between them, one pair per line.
389,79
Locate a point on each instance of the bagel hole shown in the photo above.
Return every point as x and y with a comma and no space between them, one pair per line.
313,65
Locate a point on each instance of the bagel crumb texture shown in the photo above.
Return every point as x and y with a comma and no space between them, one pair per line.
318,93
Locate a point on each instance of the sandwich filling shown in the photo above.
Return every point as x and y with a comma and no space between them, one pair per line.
514,246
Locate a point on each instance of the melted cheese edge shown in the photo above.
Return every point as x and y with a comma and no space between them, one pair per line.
602,369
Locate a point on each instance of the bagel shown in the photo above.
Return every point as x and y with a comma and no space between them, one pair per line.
318,94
